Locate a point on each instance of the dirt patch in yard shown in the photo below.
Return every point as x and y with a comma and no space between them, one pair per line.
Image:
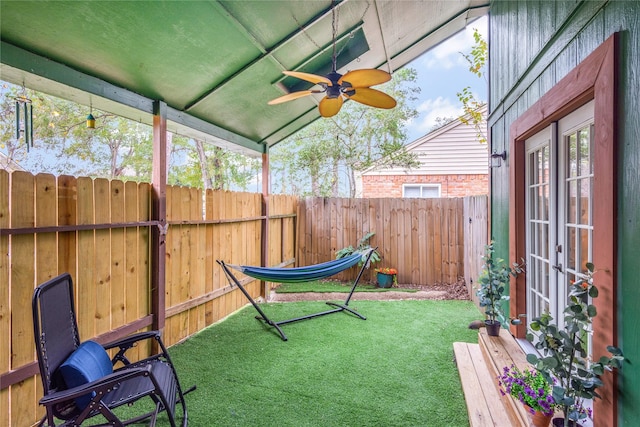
454,291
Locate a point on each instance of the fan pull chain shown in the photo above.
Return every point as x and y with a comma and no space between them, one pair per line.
334,24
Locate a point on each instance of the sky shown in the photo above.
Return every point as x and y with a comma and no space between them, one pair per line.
442,72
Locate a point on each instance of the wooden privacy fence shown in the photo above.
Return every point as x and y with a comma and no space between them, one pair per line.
99,231
422,238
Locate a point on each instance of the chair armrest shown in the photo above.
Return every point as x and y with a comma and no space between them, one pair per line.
104,382
129,340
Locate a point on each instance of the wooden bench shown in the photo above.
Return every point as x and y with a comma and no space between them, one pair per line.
478,366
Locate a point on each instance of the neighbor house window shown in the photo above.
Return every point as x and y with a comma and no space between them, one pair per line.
421,191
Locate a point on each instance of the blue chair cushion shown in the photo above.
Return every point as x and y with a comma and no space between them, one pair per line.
89,362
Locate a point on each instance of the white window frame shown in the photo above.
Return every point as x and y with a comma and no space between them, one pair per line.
422,187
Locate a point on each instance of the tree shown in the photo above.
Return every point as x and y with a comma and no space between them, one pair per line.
116,148
64,145
477,60
440,122
357,139
203,165
15,150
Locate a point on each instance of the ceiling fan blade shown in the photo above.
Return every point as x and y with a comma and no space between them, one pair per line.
313,78
371,97
365,77
291,96
330,106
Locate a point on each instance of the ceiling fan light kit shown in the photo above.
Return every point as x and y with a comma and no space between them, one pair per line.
354,85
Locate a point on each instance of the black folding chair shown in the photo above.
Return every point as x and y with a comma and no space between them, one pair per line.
79,379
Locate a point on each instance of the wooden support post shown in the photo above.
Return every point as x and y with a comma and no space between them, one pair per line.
265,213
159,213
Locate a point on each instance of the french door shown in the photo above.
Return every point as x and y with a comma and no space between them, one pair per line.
559,232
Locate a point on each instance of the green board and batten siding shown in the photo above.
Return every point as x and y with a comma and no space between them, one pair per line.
534,44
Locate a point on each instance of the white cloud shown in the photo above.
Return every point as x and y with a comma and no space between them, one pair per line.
431,109
447,54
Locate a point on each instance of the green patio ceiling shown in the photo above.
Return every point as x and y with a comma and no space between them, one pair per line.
215,64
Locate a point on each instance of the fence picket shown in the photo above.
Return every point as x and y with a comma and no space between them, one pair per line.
85,276
67,215
45,251
118,253
102,278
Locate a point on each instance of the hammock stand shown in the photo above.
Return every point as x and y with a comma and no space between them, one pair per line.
295,275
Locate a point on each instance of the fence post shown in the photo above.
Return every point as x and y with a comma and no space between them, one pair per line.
264,256
159,213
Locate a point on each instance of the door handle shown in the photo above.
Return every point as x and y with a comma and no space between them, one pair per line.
557,268
516,321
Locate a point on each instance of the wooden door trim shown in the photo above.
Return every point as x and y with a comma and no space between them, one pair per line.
594,78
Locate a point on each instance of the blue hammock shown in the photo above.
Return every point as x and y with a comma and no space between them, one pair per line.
300,274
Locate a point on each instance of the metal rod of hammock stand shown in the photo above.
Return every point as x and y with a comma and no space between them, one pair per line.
339,307
308,316
263,317
355,283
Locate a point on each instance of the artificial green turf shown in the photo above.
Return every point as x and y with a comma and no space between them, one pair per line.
394,369
323,286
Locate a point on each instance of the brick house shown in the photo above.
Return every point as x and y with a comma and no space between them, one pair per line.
452,164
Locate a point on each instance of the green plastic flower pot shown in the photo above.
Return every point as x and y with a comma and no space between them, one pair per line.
385,280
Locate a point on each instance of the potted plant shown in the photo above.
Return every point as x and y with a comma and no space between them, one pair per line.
386,277
564,352
493,281
532,390
363,247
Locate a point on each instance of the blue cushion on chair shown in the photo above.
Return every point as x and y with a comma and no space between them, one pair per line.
87,363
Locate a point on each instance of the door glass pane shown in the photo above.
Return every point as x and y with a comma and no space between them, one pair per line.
539,167
572,195
545,241
571,248
545,164
584,165
585,201
592,136
545,201
573,155
583,248
538,206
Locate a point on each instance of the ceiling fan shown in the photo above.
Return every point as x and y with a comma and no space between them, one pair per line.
355,85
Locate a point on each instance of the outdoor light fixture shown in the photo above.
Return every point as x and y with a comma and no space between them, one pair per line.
497,158
91,121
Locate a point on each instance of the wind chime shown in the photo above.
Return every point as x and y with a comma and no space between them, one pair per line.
24,119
